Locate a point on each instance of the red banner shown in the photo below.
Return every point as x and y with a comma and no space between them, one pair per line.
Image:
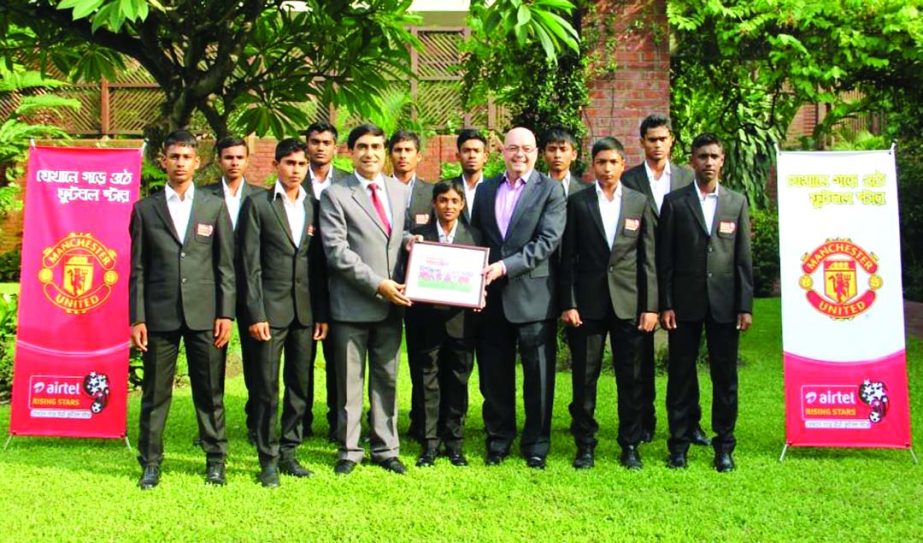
71,369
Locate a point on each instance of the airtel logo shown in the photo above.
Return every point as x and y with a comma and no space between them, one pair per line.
64,389
830,397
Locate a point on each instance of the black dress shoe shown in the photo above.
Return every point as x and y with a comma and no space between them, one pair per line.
536,462
677,461
494,458
724,462
698,437
150,477
427,457
394,465
584,458
269,476
630,457
647,436
456,457
291,466
344,467
214,474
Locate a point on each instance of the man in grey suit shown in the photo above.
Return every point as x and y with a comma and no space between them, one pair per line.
706,280
405,153
181,287
560,150
285,294
322,149
521,216
608,248
361,222
655,178
233,156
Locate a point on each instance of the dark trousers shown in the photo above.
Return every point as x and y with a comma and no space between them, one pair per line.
587,344
331,384
294,342
206,376
381,343
649,388
250,366
496,357
682,386
446,364
413,324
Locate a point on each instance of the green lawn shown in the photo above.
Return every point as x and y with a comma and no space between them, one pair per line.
58,489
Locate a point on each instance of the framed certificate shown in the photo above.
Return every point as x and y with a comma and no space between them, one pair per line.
446,274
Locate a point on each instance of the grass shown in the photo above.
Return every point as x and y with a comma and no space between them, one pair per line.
68,490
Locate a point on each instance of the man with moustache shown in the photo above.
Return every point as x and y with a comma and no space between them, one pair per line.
521,215
608,288
361,222
655,178
560,151
285,293
706,281
233,158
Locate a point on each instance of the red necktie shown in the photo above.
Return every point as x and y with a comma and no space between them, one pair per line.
380,209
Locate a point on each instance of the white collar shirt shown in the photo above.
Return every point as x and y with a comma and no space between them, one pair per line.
709,203
446,237
294,211
231,200
609,211
180,208
470,192
320,185
659,187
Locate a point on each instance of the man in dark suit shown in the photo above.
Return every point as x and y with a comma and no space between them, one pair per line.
233,156
446,339
181,286
361,221
655,178
608,248
472,153
405,153
560,149
706,280
322,149
285,293
521,216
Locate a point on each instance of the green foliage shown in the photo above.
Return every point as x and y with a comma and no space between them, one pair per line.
764,224
394,110
10,264
153,178
741,69
910,198
494,167
8,316
250,65
344,163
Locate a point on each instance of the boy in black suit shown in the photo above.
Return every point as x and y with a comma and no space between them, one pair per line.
608,288
445,346
285,293
706,280
181,286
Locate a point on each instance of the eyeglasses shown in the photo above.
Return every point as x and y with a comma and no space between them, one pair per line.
515,149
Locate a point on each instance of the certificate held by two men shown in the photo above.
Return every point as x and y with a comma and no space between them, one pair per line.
446,274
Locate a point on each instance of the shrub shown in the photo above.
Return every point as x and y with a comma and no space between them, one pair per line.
764,225
910,198
8,306
10,262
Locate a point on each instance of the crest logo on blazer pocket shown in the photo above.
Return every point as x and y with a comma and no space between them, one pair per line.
727,227
204,230
310,230
632,224
421,218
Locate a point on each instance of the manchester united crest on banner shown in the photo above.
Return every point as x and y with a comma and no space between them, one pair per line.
78,273
840,265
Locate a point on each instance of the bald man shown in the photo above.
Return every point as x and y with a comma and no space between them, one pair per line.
521,215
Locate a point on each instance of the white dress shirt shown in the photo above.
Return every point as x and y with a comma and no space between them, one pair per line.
446,237
294,211
609,210
180,208
382,195
659,187
470,192
320,185
709,203
231,200
566,184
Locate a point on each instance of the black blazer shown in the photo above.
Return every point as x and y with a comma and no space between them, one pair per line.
246,189
178,280
704,272
336,176
420,210
627,272
636,179
457,321
283,283
534,233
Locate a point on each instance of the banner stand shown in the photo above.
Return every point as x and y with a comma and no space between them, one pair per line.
913,455
9,439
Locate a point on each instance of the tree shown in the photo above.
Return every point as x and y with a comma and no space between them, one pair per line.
247,66
742,68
